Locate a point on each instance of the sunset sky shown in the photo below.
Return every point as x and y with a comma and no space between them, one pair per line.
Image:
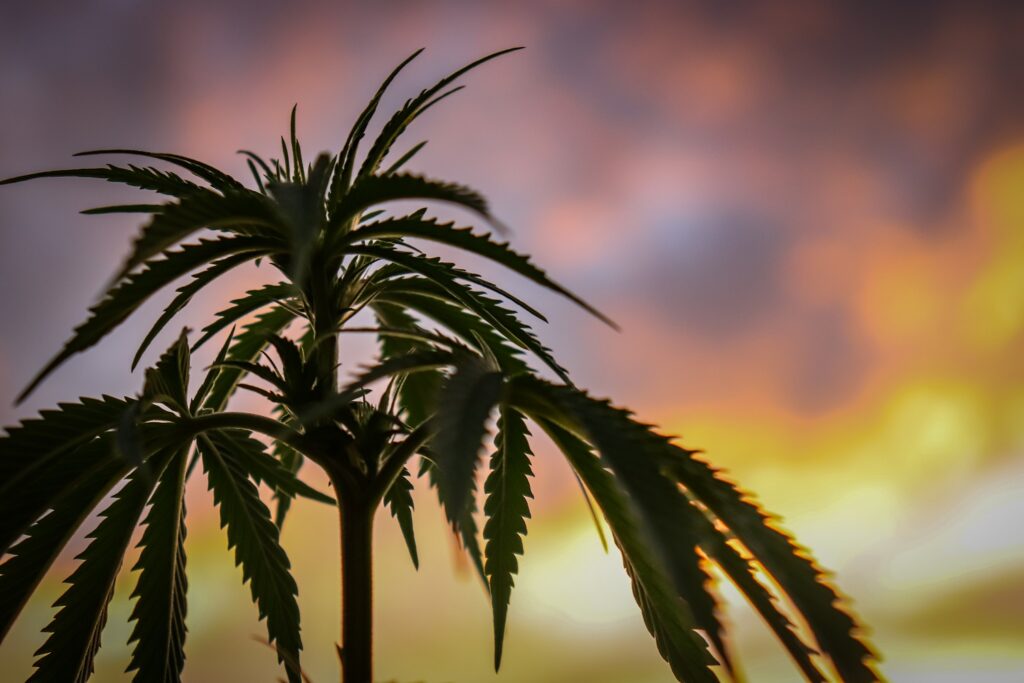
806,217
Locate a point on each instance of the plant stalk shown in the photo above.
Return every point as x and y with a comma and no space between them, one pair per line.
357,590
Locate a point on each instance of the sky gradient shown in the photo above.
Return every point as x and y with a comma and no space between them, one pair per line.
808,219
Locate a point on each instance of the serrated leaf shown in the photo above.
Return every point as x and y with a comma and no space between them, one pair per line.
255,539
347,157
185,294
41,543
161,587
464,238
252,300
440,280
790,566
369,191
124,298
145,178
632,451
434,269
740,572
413,108
465,403
215,177
467,326
506,508
68,653
301,206
167,381
416,392
664,612
42,455
242,212
263,467
399,501
246,346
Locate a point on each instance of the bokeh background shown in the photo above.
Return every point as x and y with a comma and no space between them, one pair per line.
807,217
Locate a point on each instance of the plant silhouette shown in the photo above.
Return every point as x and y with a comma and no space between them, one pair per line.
452,355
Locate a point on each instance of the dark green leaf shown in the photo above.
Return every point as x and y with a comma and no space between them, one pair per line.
742,574
507,508
369,191
263,467
125,297
464,406
217,179
464,238
401,119
246,346
159,612
790,565
253,300
469,327
347,158
416,392
255,539
82,489
672,525
167,381
40,457
67,654
243,212
665,614
502,319
399,501
145,178
185,294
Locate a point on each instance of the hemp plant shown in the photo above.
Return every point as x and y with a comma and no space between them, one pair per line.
454,352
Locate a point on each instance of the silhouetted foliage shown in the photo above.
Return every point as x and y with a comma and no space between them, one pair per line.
453,356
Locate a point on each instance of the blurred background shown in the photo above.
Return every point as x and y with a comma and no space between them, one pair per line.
807,217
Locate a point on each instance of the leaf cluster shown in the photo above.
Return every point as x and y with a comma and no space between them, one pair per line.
455,354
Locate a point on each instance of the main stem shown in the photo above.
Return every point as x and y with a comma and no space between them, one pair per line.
357,591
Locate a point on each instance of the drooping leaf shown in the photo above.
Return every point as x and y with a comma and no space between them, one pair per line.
215,177
68,653
465,403
416,392
672,525
145,178
507,508
500,318
739,571
469,327
160,591
665,614
125,297
24,448
185,294
243,212
399,501
255,539
788,564
465,238
40,543
253,300
369,191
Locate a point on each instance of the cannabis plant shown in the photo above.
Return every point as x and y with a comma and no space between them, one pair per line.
454,353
